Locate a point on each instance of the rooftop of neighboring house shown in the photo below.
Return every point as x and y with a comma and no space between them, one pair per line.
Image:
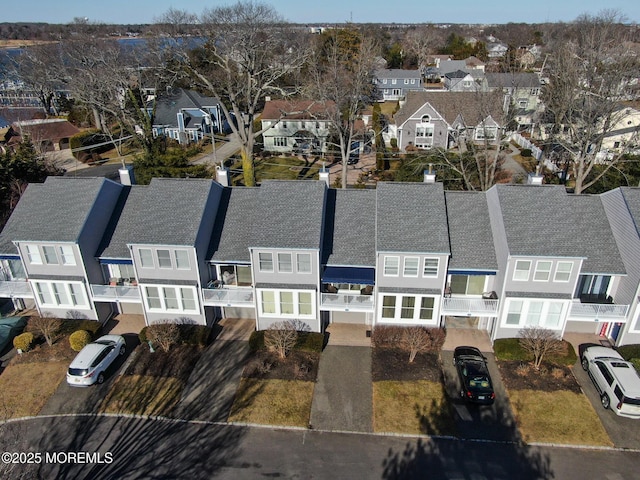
168,211
473,107
289,214
513,80
397,73
170,103
349,235
546,221
234,223
54,211
411,217
472,246
632,199
295,109
39,130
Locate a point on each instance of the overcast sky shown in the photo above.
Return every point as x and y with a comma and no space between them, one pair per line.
325,11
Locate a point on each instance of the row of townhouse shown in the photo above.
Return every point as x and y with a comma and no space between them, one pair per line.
194,250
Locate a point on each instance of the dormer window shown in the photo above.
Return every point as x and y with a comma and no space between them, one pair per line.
425,119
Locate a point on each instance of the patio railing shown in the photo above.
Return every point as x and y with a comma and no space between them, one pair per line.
15,288
346,302
469,307
597,311
116,293
228,297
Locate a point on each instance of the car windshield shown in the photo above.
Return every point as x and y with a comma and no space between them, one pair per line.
78,372
104,342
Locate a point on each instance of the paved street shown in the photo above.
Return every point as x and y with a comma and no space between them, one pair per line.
156,448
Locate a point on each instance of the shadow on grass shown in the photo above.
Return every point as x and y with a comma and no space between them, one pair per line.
435,418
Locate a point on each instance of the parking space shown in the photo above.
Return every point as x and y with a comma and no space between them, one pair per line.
67,399
624,432
485,422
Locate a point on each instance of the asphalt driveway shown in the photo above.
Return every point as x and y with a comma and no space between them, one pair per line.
67,399
342,397
624,432
483,422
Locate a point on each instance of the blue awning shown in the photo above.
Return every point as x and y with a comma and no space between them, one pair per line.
115,261
471,272
8,256
363,276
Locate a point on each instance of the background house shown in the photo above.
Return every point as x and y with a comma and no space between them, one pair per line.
393,84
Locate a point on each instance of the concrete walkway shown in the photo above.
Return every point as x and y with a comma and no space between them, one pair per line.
342,398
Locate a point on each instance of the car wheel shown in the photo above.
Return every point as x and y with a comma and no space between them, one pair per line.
122,350
585,364
101,378
606,403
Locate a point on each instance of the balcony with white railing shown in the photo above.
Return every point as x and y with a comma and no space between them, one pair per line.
116,293
228,297
346,302
595,312
15,289
469,307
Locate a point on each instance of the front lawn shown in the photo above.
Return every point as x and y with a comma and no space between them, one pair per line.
273,402
414,407
26,387
548,404
153,382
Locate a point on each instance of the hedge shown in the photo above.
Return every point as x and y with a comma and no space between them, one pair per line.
629,352
23,342
79,339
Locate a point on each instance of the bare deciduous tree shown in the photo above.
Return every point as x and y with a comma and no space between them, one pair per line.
415,340
539,342
422,42
47,325
281,337
591,68
164,334
249,53
341,79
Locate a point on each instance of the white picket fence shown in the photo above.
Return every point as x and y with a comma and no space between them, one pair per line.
524,143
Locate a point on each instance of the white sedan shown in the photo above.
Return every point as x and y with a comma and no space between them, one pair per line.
91,362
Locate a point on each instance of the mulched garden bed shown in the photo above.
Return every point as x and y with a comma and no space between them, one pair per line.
178,362
299,365
393,364
517,375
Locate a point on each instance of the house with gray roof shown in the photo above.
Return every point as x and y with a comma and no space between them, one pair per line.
394,83
47,247
521,93
187,116
154,257
443,119
463,81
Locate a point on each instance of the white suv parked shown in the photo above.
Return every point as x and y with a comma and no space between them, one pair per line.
615,379
90,364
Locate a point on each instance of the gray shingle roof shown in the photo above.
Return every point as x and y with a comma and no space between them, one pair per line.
350,228
232,231
472,245
513,80
546,221
411,217
289,214
632,197
473,107
55,210
170,104
168,211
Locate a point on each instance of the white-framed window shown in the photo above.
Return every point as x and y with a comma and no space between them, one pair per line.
406,81
61,294
280,141
66,255
33,254
384,80
411,266
542,272
303,262
413,81
430,267
146,258
394,81
284,263
563,271
265,261
521,270
486,133
284,125
401,308
50,256
391,266
182,259
534,313
170,299
287,303
164,258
